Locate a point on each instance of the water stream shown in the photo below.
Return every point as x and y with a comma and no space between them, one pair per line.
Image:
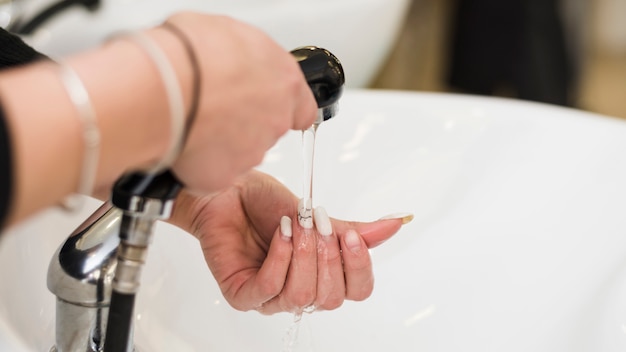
305,209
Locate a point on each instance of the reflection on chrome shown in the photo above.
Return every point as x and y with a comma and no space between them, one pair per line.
80,276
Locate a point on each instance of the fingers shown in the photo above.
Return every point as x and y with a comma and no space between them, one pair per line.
331,287
271,277
357,266
329,264
305,110
355,239
300,289
315,279
251,68
377,232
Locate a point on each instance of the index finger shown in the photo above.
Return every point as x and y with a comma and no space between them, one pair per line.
305,109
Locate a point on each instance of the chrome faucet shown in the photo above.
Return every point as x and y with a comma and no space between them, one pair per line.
95,272
80,275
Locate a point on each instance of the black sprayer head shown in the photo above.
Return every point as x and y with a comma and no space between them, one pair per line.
323,72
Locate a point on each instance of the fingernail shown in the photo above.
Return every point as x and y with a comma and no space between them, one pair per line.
322,222
305,216
353,241
405,217
285,226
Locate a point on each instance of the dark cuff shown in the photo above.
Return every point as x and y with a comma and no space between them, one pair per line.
6,175
14,52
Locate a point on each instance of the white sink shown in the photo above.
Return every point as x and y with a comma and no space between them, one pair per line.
338,25
518,242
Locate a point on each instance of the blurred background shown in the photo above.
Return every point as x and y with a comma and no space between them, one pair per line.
567,52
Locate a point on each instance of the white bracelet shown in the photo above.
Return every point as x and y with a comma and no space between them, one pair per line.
174,97
91,134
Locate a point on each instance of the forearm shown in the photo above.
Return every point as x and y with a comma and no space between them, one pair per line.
132,112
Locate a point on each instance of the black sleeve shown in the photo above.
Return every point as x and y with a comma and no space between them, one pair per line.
6,176
13,52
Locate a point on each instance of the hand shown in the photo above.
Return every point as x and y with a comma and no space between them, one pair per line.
252,92
271,265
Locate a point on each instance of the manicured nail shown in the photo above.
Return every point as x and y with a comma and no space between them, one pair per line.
305,213
353,241
405,217
285,226
322,222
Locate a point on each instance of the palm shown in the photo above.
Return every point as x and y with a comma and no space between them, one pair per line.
235,235
257,268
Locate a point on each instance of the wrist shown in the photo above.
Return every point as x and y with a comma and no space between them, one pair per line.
131,100
131,109
188,212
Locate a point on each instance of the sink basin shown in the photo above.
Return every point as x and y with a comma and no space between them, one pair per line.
337,25
518,241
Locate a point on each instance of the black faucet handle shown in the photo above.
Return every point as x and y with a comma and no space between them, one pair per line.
324,74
